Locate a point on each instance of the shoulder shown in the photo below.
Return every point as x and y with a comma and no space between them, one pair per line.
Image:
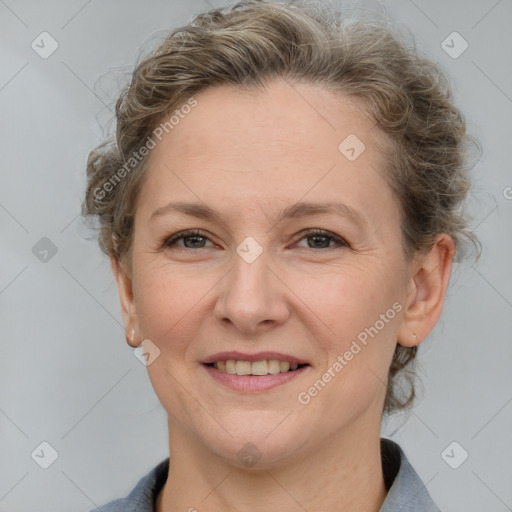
142,497
406,491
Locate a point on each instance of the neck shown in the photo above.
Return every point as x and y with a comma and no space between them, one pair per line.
345,474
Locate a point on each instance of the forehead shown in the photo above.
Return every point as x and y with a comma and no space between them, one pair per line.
277,144
229,120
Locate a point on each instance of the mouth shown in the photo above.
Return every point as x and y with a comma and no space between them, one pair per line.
259,368
253,373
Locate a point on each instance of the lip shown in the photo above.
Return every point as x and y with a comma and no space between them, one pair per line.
253,383
259,356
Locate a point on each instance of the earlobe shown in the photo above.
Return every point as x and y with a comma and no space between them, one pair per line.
429,284
124,286
130,338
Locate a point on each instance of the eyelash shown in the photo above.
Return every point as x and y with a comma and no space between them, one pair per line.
170,241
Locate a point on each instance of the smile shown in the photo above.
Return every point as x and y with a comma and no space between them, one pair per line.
255,376
265,367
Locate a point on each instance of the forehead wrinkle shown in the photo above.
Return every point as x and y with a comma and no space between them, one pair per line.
303,209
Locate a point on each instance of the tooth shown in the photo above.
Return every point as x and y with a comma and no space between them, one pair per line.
259,368
266,367
243,367
273,366
231,366
284,366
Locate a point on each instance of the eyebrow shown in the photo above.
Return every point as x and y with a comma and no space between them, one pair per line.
202,211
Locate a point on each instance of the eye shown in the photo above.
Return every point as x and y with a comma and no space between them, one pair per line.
195,239
192,237
321,239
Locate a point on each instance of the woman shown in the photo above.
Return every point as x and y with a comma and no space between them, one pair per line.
281,207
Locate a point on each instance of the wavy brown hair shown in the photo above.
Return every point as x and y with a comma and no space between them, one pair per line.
360,56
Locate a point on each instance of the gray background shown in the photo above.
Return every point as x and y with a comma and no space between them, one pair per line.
68,377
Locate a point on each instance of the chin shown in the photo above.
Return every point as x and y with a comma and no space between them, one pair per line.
257,440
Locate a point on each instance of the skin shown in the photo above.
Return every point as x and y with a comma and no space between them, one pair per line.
248,155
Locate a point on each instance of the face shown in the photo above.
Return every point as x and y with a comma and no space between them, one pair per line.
254,281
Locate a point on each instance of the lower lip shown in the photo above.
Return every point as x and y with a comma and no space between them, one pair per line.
253,383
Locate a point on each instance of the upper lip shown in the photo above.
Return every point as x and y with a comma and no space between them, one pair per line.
259,356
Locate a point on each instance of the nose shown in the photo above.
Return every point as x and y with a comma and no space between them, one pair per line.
252,296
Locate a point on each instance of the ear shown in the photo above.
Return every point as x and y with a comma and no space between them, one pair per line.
124,286
428,285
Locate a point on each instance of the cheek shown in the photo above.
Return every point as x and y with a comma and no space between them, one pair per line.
360,310
169,313
360,313
348,297
167,303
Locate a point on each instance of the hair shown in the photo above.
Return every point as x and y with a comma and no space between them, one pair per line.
358,56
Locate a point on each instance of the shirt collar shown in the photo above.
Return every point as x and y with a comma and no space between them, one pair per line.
405,489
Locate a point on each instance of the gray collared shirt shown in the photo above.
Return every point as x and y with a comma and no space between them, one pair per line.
406,491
